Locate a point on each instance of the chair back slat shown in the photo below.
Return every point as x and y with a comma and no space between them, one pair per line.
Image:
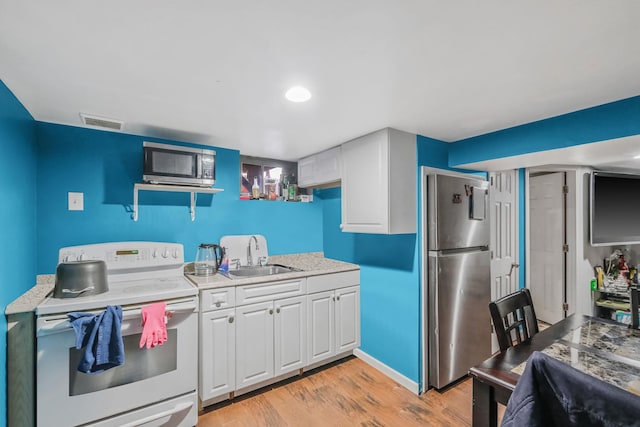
514,318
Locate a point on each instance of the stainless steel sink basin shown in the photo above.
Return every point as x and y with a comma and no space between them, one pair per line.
265,270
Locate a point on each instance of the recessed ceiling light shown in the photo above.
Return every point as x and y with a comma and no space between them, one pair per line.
298,94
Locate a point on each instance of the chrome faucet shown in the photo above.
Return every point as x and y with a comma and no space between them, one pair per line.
249,257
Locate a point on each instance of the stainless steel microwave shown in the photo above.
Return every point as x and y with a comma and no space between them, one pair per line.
171,164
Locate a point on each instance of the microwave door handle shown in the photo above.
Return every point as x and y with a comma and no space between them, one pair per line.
198,166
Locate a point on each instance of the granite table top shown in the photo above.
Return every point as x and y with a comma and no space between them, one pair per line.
605,350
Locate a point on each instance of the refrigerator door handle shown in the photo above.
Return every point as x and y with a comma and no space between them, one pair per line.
459,251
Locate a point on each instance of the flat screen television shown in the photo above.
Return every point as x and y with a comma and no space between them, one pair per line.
614,209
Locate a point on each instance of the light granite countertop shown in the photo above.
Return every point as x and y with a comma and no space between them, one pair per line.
29,300
309,264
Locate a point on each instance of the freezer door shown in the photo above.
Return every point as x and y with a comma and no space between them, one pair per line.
457,212
459,320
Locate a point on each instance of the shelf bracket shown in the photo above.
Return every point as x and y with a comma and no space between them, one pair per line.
193,206
135,203
172,188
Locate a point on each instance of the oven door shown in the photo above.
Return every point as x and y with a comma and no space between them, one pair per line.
67,397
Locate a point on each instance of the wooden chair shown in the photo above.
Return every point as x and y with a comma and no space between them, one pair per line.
514,318
634,308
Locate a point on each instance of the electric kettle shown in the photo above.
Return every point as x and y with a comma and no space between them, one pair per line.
208,259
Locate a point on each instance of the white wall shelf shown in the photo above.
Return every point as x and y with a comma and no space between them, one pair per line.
175,189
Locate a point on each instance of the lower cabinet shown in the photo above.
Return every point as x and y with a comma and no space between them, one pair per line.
333,323
270,340
254,343
253,333
347,319
290,335
217,353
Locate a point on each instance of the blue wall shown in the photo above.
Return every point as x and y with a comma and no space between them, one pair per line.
17,214
389,286
608,121
390,275
105,165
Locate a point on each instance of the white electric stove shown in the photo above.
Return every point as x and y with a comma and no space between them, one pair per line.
137,273
156,386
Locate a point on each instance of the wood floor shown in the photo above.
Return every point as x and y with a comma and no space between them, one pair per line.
347,393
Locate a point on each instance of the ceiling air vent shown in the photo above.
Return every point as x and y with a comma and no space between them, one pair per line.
101,122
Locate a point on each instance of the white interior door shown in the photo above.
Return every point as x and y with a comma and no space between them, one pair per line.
504,232
546,265
503,197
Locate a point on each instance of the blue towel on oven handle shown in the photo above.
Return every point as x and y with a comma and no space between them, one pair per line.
100,336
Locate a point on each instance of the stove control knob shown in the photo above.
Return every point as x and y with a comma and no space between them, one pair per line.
175,253
154,254
82,257
165,254
69,258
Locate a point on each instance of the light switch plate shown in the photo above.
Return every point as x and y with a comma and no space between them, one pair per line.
76,201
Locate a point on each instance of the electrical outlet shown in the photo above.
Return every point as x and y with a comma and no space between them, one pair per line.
76,201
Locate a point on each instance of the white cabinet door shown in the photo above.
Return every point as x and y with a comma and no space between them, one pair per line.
318,169
327,166
320,326
290,334
305,171
217,353
254,343
347,319
379,183
365,184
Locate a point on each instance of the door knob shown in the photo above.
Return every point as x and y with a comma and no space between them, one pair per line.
513,265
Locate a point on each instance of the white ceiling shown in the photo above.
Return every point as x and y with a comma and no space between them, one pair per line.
215,72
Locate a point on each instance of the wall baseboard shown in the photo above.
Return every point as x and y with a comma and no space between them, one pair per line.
405,382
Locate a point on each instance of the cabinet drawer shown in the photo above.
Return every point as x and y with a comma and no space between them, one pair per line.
327,282
217,299
269,291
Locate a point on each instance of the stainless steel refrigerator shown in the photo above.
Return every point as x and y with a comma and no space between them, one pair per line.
459,276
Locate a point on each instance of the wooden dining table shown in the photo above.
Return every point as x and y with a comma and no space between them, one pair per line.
602,348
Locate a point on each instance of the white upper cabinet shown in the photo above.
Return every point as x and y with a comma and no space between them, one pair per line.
319,169
379,183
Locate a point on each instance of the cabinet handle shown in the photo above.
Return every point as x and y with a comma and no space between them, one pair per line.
333,298
271,311
278,310
230,319
218,304
338,297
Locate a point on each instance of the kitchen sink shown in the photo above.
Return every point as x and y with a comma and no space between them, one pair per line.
265,270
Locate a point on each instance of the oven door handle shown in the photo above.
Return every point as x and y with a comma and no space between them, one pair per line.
178,408
62,325
53,327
